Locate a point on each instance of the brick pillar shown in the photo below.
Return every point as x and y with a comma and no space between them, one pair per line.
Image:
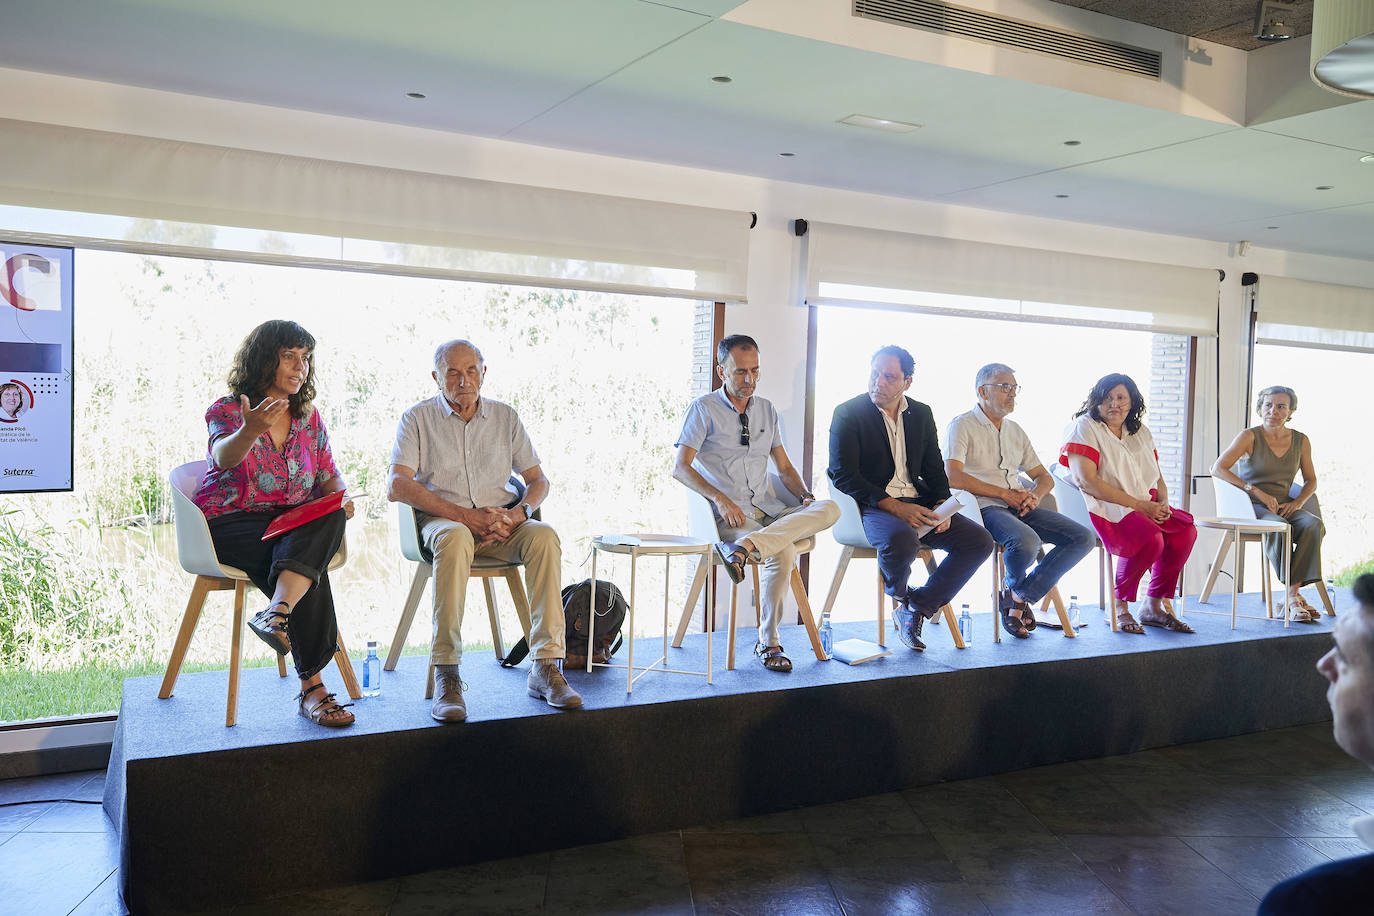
1167,414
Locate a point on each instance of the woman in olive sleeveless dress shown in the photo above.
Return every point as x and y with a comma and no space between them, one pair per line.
1264,461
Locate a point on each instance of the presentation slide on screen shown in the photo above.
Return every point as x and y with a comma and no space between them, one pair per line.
35,368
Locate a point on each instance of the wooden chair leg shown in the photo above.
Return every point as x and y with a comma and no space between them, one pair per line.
882,612
1054,598
345,664
690,606
417,591
953,625
1326,598
497,643
1111,579
281,665
231,712
846,554
730,640
758,596
1102,575
521,600
997,594
1240,568
804,611
429,682
203,586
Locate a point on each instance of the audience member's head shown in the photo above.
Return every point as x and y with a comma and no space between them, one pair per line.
1349,666
1271,393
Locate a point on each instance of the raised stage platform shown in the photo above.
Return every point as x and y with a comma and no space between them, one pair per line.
213,816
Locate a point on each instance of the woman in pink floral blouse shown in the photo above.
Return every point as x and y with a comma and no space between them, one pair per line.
269,452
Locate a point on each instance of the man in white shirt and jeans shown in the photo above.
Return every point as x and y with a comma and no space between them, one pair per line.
986,453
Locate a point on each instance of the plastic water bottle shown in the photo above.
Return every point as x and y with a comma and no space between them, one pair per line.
965,624
827,637
1075,612
372,671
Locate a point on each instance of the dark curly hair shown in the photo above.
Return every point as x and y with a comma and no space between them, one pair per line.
1099,394
255,364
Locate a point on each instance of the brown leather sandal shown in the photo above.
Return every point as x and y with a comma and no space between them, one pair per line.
324,711
1169,622
272,627
1127,624
732,557
771,657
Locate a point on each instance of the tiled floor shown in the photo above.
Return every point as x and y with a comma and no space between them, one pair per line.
1202,828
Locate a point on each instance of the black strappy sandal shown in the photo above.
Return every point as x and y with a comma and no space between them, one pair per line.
272,627
323,712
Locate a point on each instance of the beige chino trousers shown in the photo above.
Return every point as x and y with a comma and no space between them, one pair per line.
775,538
534,544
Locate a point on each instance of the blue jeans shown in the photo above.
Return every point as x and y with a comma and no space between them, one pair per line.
965,544
1021,537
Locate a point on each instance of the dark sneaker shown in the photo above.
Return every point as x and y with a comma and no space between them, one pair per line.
908,626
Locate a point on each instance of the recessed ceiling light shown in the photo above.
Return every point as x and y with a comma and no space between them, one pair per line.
1325,187
722,79
1271,227
788,155
1072,142
1061,196
887,124
1369,158
415,95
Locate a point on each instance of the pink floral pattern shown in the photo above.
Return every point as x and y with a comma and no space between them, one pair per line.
266,479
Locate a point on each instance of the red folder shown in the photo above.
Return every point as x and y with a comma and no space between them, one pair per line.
305,512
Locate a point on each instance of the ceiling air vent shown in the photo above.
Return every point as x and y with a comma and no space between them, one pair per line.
948,19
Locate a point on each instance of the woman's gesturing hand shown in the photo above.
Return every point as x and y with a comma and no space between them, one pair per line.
260,419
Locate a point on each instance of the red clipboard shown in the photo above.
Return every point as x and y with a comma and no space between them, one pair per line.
305,512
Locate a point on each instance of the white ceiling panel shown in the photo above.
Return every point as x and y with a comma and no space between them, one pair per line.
485,67
1343,231
976,130
1350,126
1202,184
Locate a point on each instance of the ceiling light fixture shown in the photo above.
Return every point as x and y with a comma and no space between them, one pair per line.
1369,158
1271,21
1073,142
415,95
722,79
1325,187
886,124
1271,227
1342,57
1061,196
787,155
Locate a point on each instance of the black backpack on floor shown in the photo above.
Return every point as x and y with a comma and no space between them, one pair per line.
577,610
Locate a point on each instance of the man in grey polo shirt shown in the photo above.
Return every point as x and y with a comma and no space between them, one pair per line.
452,461
986,453
722,453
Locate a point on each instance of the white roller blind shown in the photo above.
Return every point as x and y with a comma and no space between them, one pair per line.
1304,313
464,227
846,264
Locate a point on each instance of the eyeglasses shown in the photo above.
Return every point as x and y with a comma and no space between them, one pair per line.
743,429
1004,386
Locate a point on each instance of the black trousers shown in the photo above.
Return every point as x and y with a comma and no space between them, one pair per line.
306,550
966,545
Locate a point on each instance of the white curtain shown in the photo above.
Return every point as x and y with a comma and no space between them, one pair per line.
440,224
849,265
1304,313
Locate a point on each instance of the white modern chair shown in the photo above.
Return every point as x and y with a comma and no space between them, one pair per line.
701,521
196,552
1233,502
849,532
484,568
968,508
1070,502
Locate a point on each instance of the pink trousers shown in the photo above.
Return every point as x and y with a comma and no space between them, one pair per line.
1142,544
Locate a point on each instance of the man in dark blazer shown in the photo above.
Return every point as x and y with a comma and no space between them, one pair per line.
1344,887
885,454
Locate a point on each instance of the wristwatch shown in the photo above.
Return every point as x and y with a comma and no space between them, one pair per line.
808,495
1249,487
529,512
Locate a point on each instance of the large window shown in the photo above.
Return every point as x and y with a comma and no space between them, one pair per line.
91,590
1056,365
1342,439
